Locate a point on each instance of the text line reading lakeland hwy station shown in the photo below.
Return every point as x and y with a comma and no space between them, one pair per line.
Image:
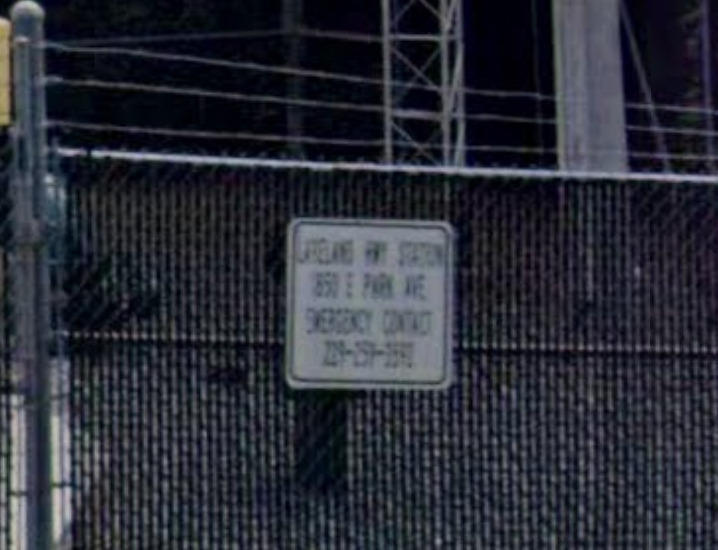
322,251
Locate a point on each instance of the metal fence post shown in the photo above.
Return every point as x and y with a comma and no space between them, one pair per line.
320,441
31,266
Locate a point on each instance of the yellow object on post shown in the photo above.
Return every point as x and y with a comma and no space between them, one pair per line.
5,85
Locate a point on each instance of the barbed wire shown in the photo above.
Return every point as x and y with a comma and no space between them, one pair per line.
658,155
242,136
76,47
418,114
286,138
499,110
211,62
677,130
176,38
240,34
277,138
207,134
363,143
243,34
508,119
119,86
344,36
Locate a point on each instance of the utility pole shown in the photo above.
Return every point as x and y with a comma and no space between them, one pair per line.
589,85
31,275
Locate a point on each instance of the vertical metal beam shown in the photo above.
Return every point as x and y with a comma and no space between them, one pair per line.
31,266
458,94
320,443
386,52
445,78
707,77
591,122
591,137
589,85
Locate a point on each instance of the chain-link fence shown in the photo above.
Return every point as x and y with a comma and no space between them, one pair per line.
143,399
582,414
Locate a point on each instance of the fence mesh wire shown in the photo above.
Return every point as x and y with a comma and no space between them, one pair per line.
582,416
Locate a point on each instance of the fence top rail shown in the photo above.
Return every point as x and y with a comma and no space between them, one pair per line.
327,166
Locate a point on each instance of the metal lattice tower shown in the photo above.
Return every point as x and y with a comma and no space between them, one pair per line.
424,111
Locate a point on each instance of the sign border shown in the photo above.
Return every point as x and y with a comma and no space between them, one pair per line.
300,383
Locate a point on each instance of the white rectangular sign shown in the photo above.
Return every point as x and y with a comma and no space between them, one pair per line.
369,304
